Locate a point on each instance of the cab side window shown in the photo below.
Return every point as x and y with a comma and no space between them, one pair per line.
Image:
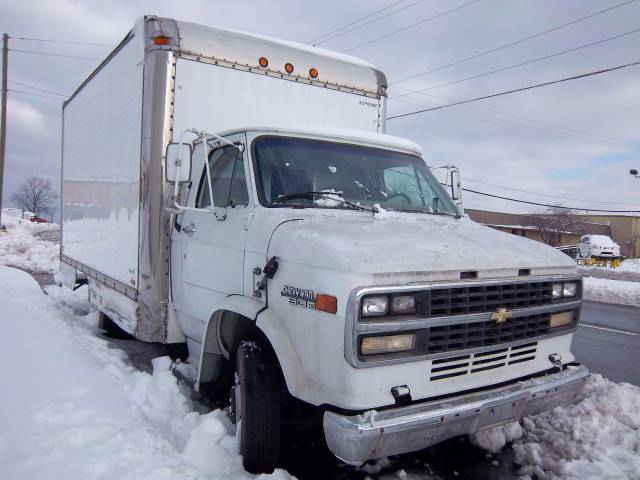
238,193
227,180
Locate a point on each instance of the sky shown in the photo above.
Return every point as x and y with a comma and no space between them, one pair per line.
576,140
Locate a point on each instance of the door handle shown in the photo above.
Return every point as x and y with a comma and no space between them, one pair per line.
189,229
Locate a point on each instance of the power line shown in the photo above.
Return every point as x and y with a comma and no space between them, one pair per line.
38,88
573,131
532,128
546,57
63,41
318,40
546,204
510,44
33,52
530,120
446,12
549,195
35,94
515,90
370,22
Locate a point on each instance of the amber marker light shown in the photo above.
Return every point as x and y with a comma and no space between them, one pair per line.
313,73
161,40
263,62
288,68
326,303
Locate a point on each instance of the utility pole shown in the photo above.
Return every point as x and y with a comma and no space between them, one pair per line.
3,112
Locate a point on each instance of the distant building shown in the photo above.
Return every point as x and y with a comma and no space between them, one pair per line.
623,229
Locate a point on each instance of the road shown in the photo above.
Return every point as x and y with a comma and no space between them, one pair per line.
608,341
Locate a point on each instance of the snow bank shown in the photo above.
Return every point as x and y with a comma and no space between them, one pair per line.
599,437
20,248
611,291
71,407
631,265
626,271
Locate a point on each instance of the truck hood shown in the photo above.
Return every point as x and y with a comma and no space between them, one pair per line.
404,248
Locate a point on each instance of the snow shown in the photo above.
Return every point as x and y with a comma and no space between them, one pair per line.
382,140
599,437
611,291
630,265
20,248
330,199
262,39
75,408
494,439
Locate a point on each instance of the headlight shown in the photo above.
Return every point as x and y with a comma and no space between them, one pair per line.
570,289
557,290
565,290
388,344
375,306
403,305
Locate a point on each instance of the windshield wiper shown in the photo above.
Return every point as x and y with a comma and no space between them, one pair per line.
327,195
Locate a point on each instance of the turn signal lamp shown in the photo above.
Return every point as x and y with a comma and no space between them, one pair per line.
326,303
561,319
388,344
288,68
161,40
313,73
263,62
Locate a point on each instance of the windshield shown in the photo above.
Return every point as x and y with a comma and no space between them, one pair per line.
287,167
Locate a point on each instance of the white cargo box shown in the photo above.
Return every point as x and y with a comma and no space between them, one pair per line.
164,77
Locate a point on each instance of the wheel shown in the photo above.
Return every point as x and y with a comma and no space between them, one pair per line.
256,399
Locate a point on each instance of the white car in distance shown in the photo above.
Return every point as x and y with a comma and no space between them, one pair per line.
598,246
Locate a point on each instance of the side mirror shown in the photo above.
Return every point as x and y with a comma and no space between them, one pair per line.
456,185
178,162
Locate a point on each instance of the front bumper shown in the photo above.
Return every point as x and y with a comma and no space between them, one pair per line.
358,438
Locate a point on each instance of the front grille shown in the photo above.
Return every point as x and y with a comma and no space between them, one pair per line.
480,362
448,301
461,336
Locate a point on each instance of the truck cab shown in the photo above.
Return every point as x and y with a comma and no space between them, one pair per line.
369,287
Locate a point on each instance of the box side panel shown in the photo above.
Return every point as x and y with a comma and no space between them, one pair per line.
101,167
217,98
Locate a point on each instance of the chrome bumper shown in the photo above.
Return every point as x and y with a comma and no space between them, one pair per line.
358,438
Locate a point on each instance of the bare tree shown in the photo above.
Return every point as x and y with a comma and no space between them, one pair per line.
629,245
35,195
556,221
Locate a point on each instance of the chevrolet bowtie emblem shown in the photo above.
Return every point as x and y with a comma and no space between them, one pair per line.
501,315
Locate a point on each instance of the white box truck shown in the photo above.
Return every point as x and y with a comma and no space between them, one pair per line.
236,194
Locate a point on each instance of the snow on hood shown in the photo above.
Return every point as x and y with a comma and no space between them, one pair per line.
424,247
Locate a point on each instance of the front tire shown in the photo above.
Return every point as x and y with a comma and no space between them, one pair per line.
259,387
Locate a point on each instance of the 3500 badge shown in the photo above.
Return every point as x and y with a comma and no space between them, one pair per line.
299,297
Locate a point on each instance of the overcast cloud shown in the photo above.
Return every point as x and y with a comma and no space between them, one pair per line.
586,153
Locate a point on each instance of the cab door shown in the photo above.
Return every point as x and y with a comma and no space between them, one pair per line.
212,244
